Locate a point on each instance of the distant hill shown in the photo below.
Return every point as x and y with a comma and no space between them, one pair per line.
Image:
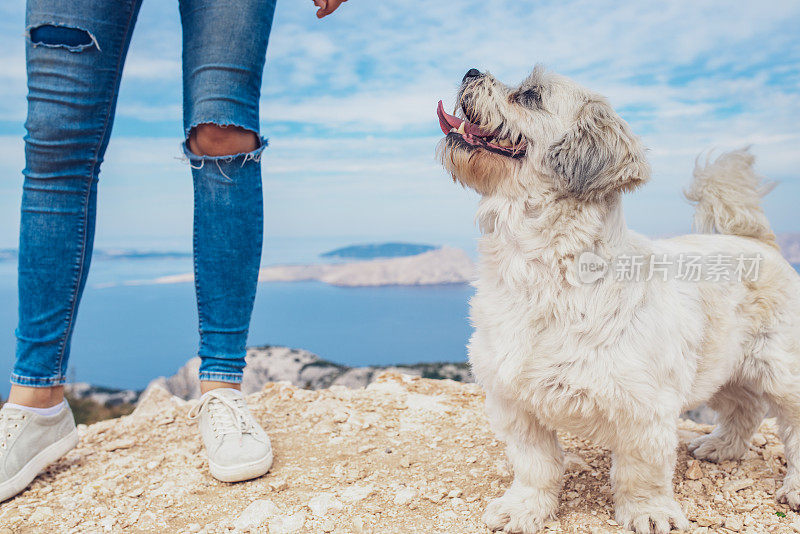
378,250
446,265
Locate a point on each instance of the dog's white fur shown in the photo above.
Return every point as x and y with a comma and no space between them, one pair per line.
615,362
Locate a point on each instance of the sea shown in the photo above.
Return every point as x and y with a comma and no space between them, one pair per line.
126,335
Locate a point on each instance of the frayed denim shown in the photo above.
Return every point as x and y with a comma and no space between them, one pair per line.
75,54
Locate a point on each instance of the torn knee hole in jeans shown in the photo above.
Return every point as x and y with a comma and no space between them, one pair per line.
60,36
198,161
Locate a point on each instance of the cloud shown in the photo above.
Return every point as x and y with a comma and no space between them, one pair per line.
348,102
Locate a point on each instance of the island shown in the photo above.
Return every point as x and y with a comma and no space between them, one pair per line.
446,265
378,250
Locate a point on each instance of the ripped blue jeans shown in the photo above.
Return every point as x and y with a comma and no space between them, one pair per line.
75,54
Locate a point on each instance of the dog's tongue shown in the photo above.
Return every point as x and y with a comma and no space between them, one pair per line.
448,122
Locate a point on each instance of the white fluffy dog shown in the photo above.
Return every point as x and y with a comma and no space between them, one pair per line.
614,359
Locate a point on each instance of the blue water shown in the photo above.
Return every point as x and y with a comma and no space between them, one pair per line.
127,335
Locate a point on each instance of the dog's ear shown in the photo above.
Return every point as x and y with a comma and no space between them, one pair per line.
599,155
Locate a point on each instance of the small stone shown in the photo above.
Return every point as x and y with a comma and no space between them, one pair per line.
694,471
42,513
154,401
405,496
758,439
324,427
693,485
356,493
133,518
256,514
340,416
287,524
119,444
167,420
737,485
773,450
707,521
745,507
321,503
573,462
733,523
278,484
435,496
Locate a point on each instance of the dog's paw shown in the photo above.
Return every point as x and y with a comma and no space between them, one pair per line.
789,493
520,511
715,449
652,517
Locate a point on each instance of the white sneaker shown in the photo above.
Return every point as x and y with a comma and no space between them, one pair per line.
29,442
236,445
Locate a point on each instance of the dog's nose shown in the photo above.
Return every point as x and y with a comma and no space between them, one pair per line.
471,73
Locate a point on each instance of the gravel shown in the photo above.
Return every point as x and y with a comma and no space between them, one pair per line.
404,455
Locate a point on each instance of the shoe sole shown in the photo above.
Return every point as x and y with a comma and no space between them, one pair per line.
36,465
237,473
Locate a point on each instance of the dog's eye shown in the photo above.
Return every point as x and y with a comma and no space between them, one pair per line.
530,98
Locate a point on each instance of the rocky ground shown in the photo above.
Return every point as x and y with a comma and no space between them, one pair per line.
276,364
404,455
306,370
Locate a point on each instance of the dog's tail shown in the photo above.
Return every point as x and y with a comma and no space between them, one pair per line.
727,197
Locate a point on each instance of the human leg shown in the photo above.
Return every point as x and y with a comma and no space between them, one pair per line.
223,60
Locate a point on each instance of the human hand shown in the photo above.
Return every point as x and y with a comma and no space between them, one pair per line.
326,7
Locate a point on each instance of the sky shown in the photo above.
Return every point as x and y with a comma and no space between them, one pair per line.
349,107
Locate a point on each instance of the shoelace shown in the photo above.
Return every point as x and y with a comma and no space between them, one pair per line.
9,422
228,415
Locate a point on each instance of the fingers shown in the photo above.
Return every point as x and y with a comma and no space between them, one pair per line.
322,5
323,8
326,7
